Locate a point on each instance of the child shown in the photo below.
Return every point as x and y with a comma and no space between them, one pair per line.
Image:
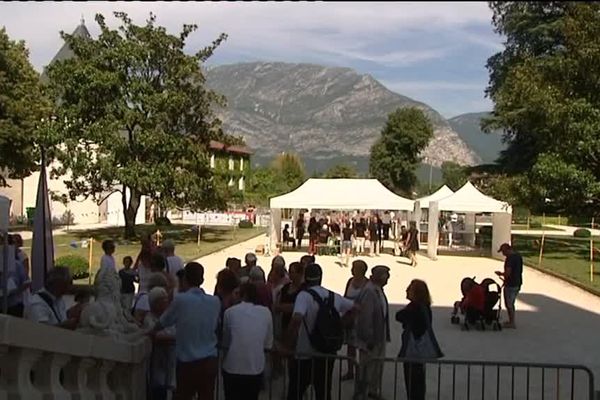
108,261
128,277
82,299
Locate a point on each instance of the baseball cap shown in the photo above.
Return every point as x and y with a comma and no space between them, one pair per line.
313,273
504,246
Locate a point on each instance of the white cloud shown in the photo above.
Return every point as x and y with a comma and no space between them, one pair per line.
276,28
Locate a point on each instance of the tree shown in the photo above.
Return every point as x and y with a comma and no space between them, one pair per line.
341,171
264,183
290,168
137,118
454,175
22,106
545,86
396,154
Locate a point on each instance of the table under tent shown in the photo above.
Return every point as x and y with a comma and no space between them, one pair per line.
472,211
334,195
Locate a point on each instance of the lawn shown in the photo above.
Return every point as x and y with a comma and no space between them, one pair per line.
186,241
567,257
523,227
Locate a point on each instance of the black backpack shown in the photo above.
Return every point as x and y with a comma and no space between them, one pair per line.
327,335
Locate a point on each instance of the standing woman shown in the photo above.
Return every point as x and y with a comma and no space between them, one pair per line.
313,233
418,339
143,262
353,288
300,229
412,243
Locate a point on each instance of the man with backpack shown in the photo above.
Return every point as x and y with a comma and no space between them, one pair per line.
317,326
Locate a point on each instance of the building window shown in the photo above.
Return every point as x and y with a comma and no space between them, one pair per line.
241,183
212,161
230,181
231,163
241,163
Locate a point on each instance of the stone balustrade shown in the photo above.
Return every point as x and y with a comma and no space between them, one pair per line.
44,362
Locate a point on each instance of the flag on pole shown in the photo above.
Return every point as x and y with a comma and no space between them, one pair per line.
42,244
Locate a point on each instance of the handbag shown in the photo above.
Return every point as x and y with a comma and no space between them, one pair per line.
424,347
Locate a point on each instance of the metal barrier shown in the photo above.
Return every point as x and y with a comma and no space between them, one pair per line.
479,380
303,376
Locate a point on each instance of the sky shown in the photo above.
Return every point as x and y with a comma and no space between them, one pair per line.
432,52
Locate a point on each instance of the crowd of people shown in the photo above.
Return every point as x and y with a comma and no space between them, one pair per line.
286,317
353,235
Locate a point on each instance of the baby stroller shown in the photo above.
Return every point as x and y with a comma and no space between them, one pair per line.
490,314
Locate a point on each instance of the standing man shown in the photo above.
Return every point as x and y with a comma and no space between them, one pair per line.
386,220
513,279
247,333
244,273
318,371
195,315
373,331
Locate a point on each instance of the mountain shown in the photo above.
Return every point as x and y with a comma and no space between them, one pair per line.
487,145
319,112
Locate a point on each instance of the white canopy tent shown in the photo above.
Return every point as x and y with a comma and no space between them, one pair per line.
336,194
423,202
470,201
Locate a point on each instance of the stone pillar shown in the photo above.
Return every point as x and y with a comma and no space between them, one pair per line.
47,376
16,366
76,378
501,232
432,230
469,233
98,379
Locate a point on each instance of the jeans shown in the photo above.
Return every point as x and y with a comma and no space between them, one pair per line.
315,371
510,296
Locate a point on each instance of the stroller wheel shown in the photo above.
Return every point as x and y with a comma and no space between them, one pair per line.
454,320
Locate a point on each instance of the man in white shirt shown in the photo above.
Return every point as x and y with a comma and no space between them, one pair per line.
247,333
304,370
47,305
174,263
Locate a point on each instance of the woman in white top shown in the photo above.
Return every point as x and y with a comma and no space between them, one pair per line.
143,262
353,288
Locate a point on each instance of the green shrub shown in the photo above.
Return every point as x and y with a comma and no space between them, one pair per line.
582,233
485,231
162,221
245,224
77,264
535,224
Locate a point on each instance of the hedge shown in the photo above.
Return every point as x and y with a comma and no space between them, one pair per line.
77,264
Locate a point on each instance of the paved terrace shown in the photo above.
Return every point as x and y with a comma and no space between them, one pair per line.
557,322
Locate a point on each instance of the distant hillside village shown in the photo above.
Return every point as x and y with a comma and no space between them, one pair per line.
230,162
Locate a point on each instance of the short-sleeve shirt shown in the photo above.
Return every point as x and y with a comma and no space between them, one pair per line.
127,279
174,265
515,262
247,332
40,311
306,306
108,262
360,228
347,233
195,316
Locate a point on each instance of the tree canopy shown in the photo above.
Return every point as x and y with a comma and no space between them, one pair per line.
136,116
22,107
545,86
341,171
395,156
454,175
284,174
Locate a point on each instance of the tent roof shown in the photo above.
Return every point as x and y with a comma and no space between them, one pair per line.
469,199
342,194
441,193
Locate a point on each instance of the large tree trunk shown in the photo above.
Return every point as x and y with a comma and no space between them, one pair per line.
130,210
